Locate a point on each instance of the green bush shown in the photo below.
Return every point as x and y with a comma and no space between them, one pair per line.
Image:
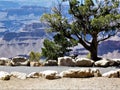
34,56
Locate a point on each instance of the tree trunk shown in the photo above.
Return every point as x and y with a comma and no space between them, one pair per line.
94,55
94,48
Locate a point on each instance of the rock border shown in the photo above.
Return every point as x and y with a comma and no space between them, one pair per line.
70,73
62,61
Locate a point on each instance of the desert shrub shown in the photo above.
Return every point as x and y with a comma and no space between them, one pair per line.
34,56
88,55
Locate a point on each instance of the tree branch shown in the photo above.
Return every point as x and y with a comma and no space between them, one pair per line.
86,41
81,41
84,44
107,37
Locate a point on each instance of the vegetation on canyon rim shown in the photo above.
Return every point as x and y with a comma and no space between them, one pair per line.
34,56
92,22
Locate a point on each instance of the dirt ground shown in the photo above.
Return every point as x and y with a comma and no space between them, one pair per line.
95,83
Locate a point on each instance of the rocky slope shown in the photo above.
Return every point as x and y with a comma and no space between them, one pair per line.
29,38
22,32
20,28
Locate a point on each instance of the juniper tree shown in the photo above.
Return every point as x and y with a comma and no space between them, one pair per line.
93,22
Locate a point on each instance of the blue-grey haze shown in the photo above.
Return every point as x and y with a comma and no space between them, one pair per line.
22,32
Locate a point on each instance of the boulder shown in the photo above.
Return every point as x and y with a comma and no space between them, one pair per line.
50,74
102,63
4,75
80,73
112,74
50,63
33,75
20,61
116,62
84,62
19,75
4,61
35,64
66,61
113,62
26,63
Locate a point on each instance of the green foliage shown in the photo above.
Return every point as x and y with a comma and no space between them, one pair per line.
54,49
50,50
34,56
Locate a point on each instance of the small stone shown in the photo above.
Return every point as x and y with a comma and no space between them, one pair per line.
35,64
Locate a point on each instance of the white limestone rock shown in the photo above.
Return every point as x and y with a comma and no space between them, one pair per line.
20,61
102,63
96,72
84,62
4,75
33,75
4,61
50,63
50,74
112,74
19,75
35,64
80,73
66,61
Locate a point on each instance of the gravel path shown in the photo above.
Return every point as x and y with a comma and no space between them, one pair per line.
28,70
94,83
